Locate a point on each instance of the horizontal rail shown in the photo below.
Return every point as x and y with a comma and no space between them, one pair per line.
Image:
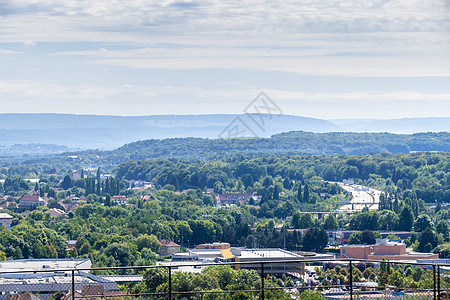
262,265
194,264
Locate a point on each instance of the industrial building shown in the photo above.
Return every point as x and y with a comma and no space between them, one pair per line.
384,249
48,276
277,261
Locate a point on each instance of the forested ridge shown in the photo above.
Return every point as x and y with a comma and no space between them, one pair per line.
295,142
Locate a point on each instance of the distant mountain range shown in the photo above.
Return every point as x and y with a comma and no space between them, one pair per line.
110,132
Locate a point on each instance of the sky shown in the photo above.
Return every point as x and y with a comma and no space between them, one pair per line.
330,59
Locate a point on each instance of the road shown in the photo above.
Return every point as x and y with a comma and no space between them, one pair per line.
362,196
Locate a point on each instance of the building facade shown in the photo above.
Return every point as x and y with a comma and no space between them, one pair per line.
168,247
6,220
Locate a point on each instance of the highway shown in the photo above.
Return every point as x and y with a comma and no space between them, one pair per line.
362,196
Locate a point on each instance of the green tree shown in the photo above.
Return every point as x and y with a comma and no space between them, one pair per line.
224,274
422,222
369,273
2,256
84,249
153,278
287,183
388,220
355,238
299,193
315,239
310,295
67,183
368,237
306,197
120,252
305,221
99,183
107,200
442,227
384,271
148,241
427,237
330,223
417,273
396,279
406,219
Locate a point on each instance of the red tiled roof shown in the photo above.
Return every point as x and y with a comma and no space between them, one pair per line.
168,243
30,198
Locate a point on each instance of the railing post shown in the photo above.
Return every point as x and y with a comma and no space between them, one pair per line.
439,281
73,284
170,283
262,281
351,280
434,281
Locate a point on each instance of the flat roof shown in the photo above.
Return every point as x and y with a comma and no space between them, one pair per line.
373,245
268,253
43,264
206,252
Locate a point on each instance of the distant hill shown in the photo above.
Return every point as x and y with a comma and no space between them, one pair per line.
110,132
291,143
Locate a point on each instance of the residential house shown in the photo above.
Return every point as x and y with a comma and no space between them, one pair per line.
31,201
54,212
8,204
24,296
120,199
6,219
235,198
71,244
168,247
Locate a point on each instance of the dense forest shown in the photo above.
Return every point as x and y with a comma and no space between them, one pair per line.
287,143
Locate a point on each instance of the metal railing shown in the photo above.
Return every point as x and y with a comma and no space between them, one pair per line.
88,283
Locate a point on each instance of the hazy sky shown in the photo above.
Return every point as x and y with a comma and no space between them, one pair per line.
326,59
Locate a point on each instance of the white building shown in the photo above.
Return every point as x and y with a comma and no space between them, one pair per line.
6,219
47,276
276,261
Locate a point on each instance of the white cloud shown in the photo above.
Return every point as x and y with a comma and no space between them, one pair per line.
9,52
369,35
29,43
358,38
